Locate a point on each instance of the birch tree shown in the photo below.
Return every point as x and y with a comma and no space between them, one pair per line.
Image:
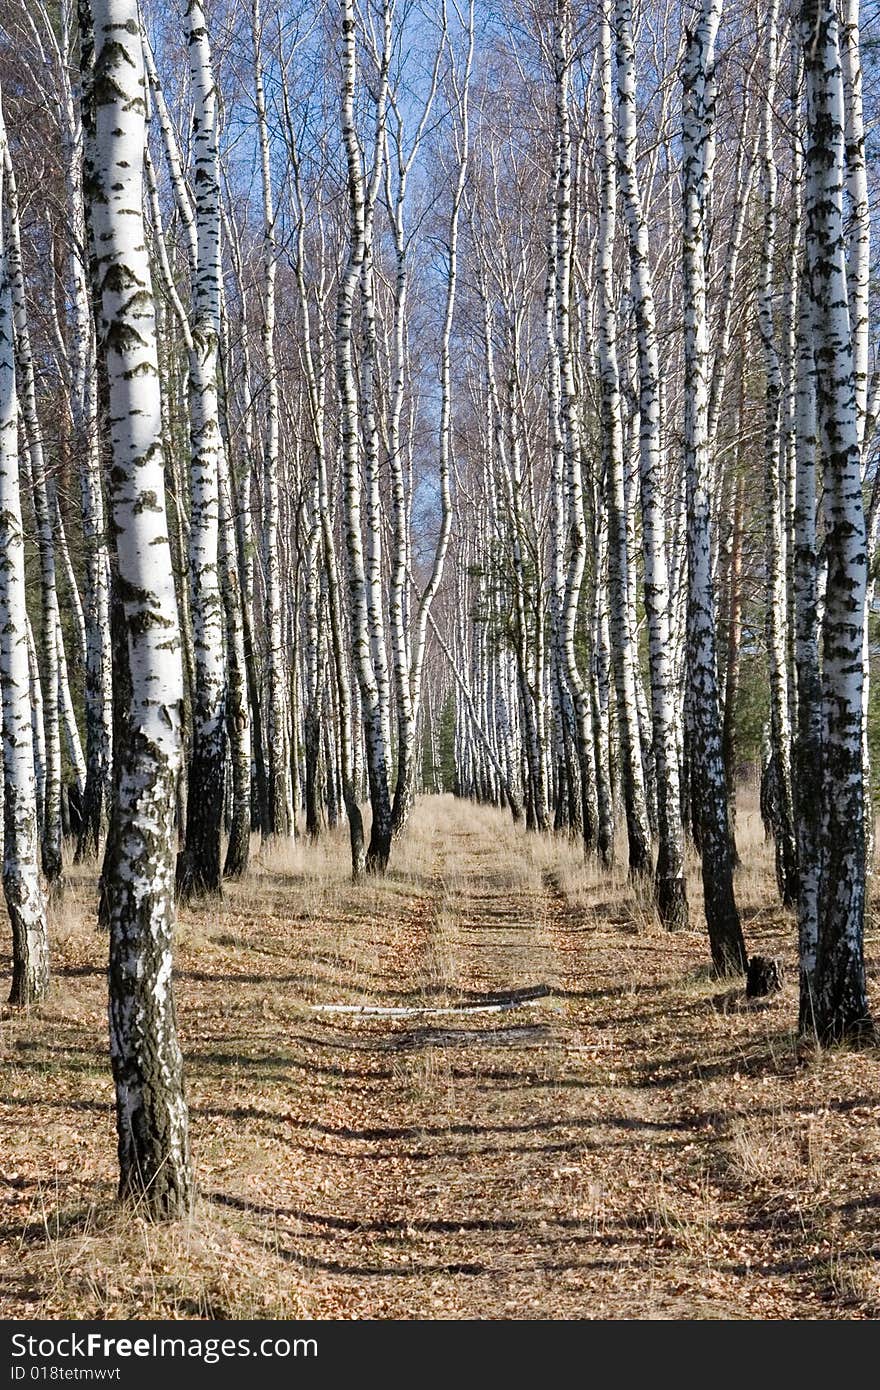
201,865
775,530
859,296
839,1003
722,917
638,830
82,386
139,865
39,487
365,637
21,871
571,428
280,823
670,888
808,740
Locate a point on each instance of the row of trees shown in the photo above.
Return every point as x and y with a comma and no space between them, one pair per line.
669,360
360,363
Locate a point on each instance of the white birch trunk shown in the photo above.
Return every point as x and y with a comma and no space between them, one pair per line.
840,1002
373,712
84,413
139,865
566,792
859,288
67,719
632,778
38,732
200,868
776,593
670,888
276,666
27,403
238,724
808,741
571,424
21,873
858,250
707,770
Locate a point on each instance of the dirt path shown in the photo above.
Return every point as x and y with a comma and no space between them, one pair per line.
510,1164
625,1141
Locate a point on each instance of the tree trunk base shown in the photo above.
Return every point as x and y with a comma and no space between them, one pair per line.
27,990
190,882
237,855
765,976
671,900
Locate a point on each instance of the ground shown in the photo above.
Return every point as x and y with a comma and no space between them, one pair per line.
566,1117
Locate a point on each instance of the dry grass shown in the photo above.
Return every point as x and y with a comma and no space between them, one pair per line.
109,1262
639,1143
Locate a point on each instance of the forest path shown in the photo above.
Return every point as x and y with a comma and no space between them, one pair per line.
631,1140
511,1164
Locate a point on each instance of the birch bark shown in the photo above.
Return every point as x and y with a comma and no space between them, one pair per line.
859,291
276,675
776,593
27,404
21,873
808,740
77,135
373,711
709,788
151,1113
200,868
632,779
238,725
670,886
840,1000
576,522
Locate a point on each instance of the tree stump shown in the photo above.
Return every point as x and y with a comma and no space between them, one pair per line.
765,976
